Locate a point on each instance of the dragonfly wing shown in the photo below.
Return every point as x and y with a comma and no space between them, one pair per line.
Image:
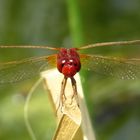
116,67
15,71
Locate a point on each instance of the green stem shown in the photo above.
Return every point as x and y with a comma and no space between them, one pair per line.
75,22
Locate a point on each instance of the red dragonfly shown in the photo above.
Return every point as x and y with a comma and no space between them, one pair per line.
69,62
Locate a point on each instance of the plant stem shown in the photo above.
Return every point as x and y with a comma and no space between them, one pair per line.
75,22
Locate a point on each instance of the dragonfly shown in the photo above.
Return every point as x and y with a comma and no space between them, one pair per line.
69,62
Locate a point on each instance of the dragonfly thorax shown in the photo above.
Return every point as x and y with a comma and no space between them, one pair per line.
68,62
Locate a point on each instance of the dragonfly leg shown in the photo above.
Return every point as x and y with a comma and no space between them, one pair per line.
73,81
62,93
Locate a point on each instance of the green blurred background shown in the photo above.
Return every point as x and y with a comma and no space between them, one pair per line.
113,104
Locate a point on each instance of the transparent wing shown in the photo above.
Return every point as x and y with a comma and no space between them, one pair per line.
15,71
31,47
103,44
116,67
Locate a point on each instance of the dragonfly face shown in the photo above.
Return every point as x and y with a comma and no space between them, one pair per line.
68,62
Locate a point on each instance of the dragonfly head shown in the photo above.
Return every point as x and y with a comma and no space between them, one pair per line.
68,62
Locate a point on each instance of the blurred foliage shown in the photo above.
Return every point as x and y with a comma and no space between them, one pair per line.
113,104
